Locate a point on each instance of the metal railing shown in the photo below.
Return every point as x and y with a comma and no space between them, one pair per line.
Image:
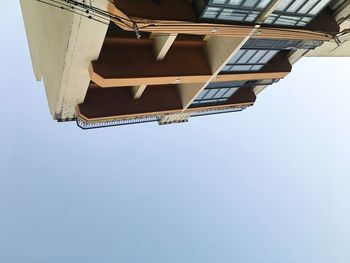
94,124
85,125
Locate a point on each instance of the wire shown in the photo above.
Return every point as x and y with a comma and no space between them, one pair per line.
82,6
93,13
68,10
89,11
78,9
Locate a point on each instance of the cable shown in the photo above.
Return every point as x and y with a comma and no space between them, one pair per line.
90,12
88,9
69,9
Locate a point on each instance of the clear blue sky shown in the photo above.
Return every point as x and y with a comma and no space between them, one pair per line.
270,184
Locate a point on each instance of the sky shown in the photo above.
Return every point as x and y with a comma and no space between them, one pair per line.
269,184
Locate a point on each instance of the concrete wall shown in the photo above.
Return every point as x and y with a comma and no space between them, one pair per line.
62,45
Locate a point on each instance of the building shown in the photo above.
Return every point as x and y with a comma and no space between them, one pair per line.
107,63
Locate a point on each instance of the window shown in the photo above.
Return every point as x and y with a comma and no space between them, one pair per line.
256,53
281,44
296,12
289,13
231,10
266,82
249,60
218,92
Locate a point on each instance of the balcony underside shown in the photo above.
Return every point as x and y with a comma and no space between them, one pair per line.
114,103
173,16
131,62
104,103
132,58
133,81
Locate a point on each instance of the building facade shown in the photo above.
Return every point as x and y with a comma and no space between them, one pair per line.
109,63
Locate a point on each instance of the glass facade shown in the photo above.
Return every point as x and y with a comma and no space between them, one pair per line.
296,12
217,93
281,44
249,60
290,13
256,53
231,10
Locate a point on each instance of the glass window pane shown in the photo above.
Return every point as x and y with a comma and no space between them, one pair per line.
235,2
247,56
226,68
232,14
263,3
259,55
206,101
319,7
265,43
240,68
211,12
202,95
296,5
301,24
210,94
306,19
256,67
220,93
286,44
236,56
306,8
230,92
218,85
250,42
284,5
250,3
251,17
287,20
219,2
269,20
270,54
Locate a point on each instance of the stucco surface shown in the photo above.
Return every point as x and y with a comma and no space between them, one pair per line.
62,44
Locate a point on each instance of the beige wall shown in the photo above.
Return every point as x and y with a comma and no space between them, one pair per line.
62,45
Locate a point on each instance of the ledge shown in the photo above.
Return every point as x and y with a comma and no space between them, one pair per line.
122,60
117,103
103,103
152,18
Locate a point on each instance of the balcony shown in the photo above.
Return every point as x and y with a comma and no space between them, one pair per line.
180,16
118,102
126,61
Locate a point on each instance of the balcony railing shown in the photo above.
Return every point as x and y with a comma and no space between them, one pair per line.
94,124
